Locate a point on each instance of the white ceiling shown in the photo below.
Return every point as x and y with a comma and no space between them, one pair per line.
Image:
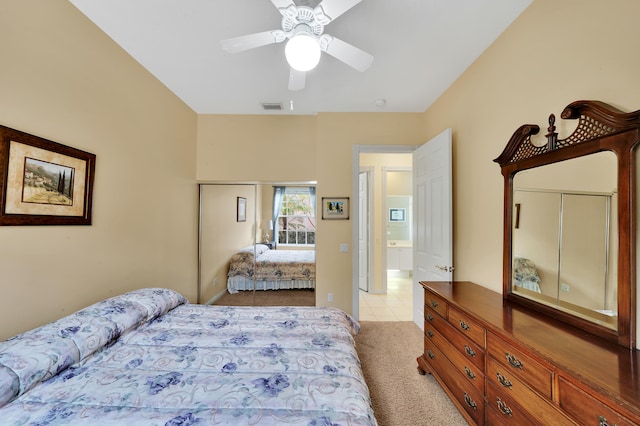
420,48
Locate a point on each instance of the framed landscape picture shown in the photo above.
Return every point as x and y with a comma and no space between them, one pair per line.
43,182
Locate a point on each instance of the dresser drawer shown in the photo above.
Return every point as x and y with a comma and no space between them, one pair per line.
508,386
586,409
434,357
524,367
436,303
460,362
467,326
467,397
471,352
433,319
502,410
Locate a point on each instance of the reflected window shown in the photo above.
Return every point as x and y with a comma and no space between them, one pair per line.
296,224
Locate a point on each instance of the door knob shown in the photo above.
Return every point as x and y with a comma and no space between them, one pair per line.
445,268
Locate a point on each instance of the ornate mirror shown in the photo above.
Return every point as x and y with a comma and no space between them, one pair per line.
569,220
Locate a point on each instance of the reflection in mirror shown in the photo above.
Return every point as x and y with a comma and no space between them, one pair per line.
399,218
564,236
223,235
243,258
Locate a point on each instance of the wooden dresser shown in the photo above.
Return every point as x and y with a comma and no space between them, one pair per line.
501,363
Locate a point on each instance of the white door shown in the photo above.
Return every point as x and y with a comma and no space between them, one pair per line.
432,226
363,231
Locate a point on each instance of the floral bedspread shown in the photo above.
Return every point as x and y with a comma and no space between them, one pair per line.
274,265
205,365
525,274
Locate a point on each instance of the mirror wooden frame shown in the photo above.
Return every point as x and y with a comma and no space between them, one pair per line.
601,127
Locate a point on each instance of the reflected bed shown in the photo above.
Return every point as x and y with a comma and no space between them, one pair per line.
271,270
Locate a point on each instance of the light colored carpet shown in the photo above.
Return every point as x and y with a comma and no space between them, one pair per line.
399,394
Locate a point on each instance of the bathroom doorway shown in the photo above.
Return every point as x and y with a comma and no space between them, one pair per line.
388,295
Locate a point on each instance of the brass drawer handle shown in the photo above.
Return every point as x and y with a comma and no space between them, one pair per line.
602,421
429,317
430,354
504,381
464,326
470,402
429,333
469,373
513,361
469,351
504,409
434,303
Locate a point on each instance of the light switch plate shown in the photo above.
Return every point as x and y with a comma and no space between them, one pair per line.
344,248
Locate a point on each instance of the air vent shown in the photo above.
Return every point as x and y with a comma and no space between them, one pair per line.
271,106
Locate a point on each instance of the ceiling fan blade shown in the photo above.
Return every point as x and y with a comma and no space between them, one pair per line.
297,79
282,4
347,53
334,8
251,41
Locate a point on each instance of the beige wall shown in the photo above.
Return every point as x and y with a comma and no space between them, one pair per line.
256,148
337,133
553,54
250,148
63,79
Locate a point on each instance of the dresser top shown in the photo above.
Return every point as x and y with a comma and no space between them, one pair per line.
611,369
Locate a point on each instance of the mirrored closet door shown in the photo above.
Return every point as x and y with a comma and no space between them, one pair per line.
257,238
228,216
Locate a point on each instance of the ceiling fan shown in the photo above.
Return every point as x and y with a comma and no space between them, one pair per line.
304,29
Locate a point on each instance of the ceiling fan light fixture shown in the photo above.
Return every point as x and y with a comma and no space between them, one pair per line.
302,52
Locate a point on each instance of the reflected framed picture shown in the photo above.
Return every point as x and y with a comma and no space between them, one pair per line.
397,215
241,209
43,182
336,208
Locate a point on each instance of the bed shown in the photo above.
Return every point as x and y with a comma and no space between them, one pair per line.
525,274
149,357
272,269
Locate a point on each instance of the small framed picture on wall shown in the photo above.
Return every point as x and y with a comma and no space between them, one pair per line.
335,208
397,215
241,209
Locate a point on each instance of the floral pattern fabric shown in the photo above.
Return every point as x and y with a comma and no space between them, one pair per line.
525,274
205,365
39,354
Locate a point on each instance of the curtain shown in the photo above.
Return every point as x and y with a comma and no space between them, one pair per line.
312,192
278,194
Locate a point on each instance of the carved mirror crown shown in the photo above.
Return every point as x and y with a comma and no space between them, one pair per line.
534,208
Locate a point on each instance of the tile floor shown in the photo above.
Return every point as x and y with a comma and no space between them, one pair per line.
396,305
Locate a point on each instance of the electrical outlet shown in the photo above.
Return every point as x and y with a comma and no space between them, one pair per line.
215,281
564,287
344,248
330,297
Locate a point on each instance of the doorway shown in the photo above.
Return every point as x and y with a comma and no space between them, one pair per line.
384,228
432,254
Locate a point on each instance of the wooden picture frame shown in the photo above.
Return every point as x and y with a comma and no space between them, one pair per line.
43,182
335,208
241,209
